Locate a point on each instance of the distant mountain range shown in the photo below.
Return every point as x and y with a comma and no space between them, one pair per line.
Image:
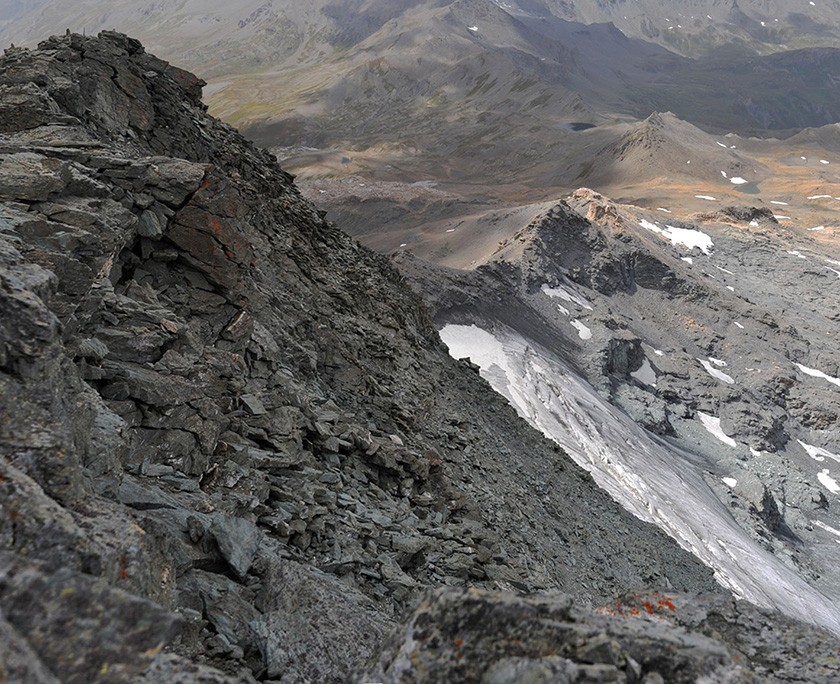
368,71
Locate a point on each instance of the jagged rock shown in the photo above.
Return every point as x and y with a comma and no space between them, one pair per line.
467,635
121,635
622,355
228,606
458,635
297,604
238,540
29,176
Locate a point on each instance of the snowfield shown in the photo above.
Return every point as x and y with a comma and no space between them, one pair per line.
681,236
654,479
565,294
818,374
715,373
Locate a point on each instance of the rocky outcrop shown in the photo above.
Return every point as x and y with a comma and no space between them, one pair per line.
713,333
458,635
232,445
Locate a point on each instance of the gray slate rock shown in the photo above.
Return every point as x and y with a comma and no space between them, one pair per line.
122,632
468,635
18,661
314,628
238,539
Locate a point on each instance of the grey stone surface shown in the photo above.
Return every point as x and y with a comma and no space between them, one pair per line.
458,635
116,633
19,662
238,540
315,628
468,635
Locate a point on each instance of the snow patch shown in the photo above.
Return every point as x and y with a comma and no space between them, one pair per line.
737,180
712,425
820,197
818,453
824,161
739,325
729,481
783,204
706,197
715,373
817,374
828,482
689,238
825,527
583,332
645,374
472,28
563,293
817,228
687,260
681,236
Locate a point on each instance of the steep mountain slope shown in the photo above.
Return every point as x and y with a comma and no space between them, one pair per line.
222,414
232,447
716,336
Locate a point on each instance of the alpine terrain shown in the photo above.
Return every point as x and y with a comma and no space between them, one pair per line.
499,346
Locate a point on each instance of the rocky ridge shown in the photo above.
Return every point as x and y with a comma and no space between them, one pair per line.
232,446
674,334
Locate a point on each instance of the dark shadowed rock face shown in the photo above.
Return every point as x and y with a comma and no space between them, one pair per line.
232,445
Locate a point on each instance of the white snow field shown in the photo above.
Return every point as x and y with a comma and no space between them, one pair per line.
654,479
681,236
715,373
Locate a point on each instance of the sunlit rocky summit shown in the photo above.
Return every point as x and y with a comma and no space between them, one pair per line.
233,447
